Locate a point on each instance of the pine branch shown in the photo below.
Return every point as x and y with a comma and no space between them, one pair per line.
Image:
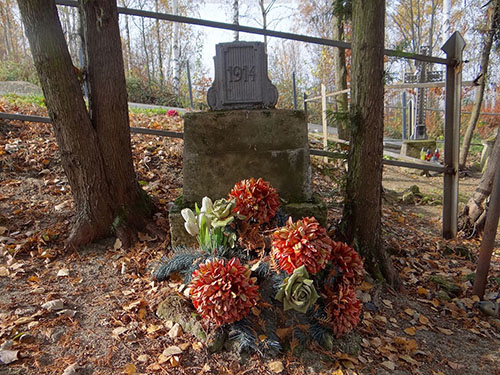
182,260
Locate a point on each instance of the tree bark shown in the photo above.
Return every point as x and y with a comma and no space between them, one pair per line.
473,217
177,52
483,72
236,19
95,149
340,77
363,206
488,242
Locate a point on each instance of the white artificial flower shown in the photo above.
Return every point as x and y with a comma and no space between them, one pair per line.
192,228
188,214
206,205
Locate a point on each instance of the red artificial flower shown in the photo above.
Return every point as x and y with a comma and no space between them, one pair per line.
255,199
172,113
342,309
222,291
304,242
348,261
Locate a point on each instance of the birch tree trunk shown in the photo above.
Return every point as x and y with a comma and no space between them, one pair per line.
493,17
473,217
177,51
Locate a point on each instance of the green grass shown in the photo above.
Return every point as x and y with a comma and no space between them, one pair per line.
25,99
148,111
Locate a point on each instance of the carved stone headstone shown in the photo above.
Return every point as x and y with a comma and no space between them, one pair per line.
241,80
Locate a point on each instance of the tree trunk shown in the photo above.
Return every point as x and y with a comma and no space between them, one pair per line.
158,46
340,77
488,241
363,206
483,72
236,19
177,52
473,217
95,150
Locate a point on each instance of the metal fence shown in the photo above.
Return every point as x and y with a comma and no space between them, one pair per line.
453,49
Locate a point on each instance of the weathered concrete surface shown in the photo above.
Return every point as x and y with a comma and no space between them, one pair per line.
224,147
315,207
413,147
178,234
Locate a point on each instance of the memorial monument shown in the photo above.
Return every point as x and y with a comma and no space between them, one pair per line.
243,136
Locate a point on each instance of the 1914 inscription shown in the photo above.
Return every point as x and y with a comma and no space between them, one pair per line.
238,73
241,78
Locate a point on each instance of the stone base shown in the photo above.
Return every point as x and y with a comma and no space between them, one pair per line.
224,147
412,148
179,237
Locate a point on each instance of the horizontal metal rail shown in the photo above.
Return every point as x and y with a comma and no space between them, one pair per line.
162,133
166,133
255,30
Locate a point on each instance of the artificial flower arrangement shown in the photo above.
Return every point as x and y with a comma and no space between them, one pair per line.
257,273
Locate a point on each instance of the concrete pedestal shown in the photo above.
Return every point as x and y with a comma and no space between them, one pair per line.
224,147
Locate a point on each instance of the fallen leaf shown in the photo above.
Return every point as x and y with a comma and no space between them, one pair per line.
197,346
143,358
422,291
387,303
172,350
283,332
410,331
389,365
118,244
130,369
276,366
410,312
71,369
410,360
2,230
174,361
54,305
4,272
423,320
119,331
142,313
185,346
446,331
8,356
63,272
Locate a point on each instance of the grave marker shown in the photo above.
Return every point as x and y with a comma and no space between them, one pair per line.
241,80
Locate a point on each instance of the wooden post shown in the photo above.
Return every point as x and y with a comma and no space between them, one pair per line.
453,48
323,119
488,242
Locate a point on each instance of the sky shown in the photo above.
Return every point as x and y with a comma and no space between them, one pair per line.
279,19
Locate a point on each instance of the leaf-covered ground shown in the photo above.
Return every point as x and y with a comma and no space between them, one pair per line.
108,324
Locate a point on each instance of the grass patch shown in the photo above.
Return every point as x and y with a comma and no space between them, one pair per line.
38,100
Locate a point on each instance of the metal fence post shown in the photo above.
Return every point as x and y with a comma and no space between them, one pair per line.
189,85
453,48
294,91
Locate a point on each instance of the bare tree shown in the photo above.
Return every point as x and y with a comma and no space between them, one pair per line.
492,26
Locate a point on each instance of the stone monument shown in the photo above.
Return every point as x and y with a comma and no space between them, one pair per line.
242,137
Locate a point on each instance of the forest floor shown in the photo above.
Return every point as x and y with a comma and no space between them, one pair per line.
109,325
